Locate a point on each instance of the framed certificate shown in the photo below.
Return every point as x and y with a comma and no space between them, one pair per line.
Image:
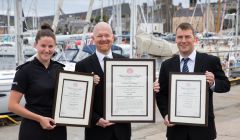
73,98
129,95
188,101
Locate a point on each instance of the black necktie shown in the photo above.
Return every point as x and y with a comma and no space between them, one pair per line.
185,67
105,58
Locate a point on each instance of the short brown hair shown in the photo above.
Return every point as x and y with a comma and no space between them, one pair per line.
185,26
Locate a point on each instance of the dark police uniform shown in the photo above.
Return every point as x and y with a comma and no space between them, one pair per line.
37,84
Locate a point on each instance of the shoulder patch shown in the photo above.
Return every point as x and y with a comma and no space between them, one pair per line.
15,83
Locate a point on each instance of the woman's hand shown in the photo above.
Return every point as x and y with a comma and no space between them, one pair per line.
47,123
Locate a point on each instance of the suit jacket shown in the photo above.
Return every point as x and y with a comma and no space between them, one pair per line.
203,63
121,130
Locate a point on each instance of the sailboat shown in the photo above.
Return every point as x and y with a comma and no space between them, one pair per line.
149,44
7,75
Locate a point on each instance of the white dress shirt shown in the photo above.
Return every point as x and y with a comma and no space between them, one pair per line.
101,58
190,63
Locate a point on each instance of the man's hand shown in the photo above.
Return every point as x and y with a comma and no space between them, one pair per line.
156,86
96,79
167,123
104,123
210,78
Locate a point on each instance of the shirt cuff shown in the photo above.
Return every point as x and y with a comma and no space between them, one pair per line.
213,86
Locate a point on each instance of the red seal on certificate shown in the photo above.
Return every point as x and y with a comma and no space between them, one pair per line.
129,70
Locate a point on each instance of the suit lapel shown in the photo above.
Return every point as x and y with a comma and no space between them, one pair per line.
96,65
115,55
176,64
198,63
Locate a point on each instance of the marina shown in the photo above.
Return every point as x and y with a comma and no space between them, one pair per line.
141,31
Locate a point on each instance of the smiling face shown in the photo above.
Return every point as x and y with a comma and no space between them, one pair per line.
45,49
103,37
185,41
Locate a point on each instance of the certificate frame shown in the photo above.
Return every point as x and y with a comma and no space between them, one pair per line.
73,99
124,78
188,99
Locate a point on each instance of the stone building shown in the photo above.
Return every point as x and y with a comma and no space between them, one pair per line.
198,19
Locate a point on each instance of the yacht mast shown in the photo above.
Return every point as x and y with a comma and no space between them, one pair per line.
223,14
8,16
133,25
194,12
19,30
119,20
208,10
218,16
35,18
88,17
237,14
101,19
57,14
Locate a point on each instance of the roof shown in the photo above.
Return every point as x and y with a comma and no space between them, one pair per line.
186,12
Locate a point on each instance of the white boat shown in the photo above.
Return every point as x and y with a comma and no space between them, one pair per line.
6,78
148,44
7,72
7,56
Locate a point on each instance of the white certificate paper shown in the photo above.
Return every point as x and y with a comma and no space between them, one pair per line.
130,89
129,95
73,100
188,99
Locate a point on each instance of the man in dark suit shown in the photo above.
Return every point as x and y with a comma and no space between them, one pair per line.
102,129
196,62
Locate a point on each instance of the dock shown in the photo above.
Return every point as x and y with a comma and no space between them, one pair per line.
227,118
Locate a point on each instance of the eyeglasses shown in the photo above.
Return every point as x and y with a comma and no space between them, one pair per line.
187,37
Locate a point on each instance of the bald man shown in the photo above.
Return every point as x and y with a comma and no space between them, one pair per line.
102,129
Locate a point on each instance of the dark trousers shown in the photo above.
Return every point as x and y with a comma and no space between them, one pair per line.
115,138
186,139
192,139
108,133
31,130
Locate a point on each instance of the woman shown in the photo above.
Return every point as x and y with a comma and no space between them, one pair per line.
36,81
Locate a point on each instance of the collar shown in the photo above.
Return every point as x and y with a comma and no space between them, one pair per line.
37,62
101,56
192,56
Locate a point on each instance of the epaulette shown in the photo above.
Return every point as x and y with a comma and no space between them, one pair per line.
20,66
56,62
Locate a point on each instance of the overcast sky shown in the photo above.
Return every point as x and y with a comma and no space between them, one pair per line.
47,7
